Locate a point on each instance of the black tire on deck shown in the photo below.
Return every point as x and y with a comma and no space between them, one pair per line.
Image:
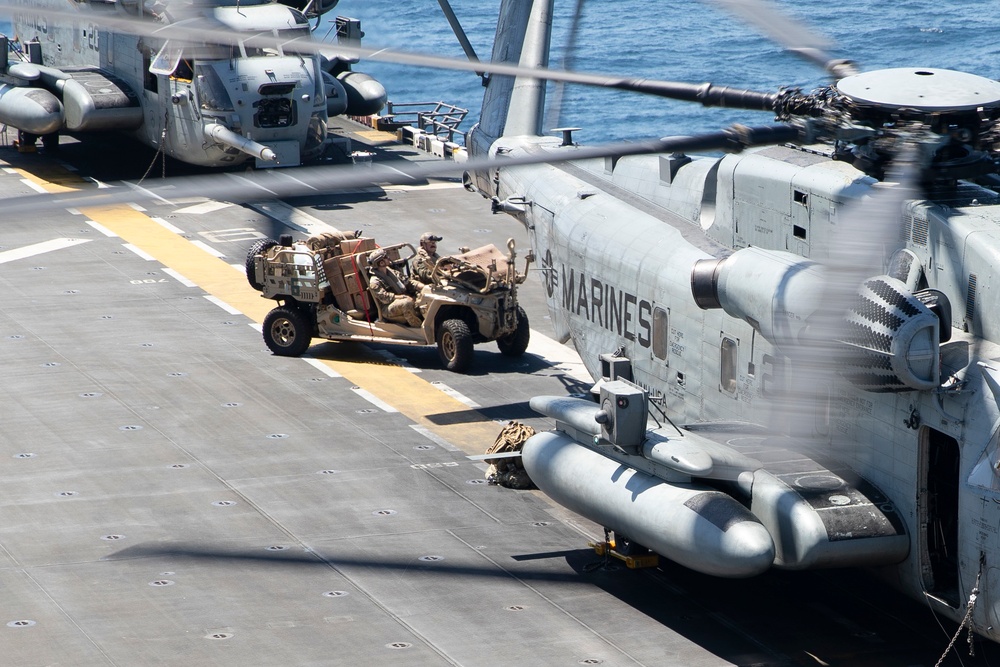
455,345
515,343
287,331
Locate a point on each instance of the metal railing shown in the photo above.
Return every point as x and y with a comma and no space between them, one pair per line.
437,118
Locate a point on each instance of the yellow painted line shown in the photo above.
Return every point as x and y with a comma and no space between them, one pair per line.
376,136
414,397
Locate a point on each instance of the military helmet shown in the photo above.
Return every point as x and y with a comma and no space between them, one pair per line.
376,256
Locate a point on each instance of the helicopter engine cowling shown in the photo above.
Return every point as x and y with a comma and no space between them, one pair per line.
365,95
888,342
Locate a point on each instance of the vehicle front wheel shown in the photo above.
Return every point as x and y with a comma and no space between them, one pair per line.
455,346
287,331
515,343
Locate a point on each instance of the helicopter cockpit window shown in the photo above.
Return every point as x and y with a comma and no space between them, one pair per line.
282,35
727,367
211,91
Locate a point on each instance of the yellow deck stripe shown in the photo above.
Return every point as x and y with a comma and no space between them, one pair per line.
411,395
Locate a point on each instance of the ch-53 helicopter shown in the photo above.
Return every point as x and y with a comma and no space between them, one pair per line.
207,103
832,287
837,281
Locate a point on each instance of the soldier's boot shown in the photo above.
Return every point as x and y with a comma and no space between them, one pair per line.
413,319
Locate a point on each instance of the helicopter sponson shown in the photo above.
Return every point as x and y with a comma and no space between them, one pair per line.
665,491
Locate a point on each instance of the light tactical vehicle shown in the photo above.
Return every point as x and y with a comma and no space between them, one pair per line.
321,286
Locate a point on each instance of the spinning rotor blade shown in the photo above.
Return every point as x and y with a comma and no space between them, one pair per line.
200,30
865,235
553,116
271,184
791,34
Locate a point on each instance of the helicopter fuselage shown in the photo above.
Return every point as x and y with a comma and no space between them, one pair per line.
617,242
209,105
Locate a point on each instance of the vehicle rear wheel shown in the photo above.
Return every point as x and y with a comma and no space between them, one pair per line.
515,343
287,331
455,345
257,248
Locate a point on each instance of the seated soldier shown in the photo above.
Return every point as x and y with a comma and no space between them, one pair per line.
394,291
422,264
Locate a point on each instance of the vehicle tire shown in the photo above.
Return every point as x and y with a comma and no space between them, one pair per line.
455,345
287,331
515,343
257,248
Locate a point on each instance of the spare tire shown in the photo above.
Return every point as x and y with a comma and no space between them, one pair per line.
257,248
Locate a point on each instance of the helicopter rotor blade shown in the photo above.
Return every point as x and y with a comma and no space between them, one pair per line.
553,117
791,34
456,27
865,235
270,184
200,30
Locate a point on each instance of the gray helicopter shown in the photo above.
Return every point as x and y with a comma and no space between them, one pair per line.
831,288
814,314
128,66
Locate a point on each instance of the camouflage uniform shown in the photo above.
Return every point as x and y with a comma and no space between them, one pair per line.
422,265
395,293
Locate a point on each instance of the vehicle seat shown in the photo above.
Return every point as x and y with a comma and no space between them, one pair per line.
367,302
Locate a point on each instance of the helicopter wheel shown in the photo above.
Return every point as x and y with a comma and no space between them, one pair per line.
626,547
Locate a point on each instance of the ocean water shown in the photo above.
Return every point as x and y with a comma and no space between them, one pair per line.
681,40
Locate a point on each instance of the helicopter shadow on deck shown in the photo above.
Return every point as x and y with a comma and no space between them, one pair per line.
340,201
834,617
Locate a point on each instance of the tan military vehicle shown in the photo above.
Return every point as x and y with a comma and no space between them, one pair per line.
321,286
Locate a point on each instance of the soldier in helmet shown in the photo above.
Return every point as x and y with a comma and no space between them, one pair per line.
392,290
422,264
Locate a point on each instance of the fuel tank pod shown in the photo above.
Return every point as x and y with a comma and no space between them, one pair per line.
698,527
31,110
365,95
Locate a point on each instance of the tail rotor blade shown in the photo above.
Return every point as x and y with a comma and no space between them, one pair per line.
553,117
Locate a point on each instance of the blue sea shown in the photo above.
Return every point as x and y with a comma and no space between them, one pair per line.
681,40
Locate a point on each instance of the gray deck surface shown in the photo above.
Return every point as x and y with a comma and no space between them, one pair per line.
173,494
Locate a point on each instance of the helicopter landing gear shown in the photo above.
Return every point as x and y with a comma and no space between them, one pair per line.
26,142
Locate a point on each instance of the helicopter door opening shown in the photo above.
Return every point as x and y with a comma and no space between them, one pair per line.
938,507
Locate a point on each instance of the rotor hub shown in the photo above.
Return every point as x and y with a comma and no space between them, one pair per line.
922,89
